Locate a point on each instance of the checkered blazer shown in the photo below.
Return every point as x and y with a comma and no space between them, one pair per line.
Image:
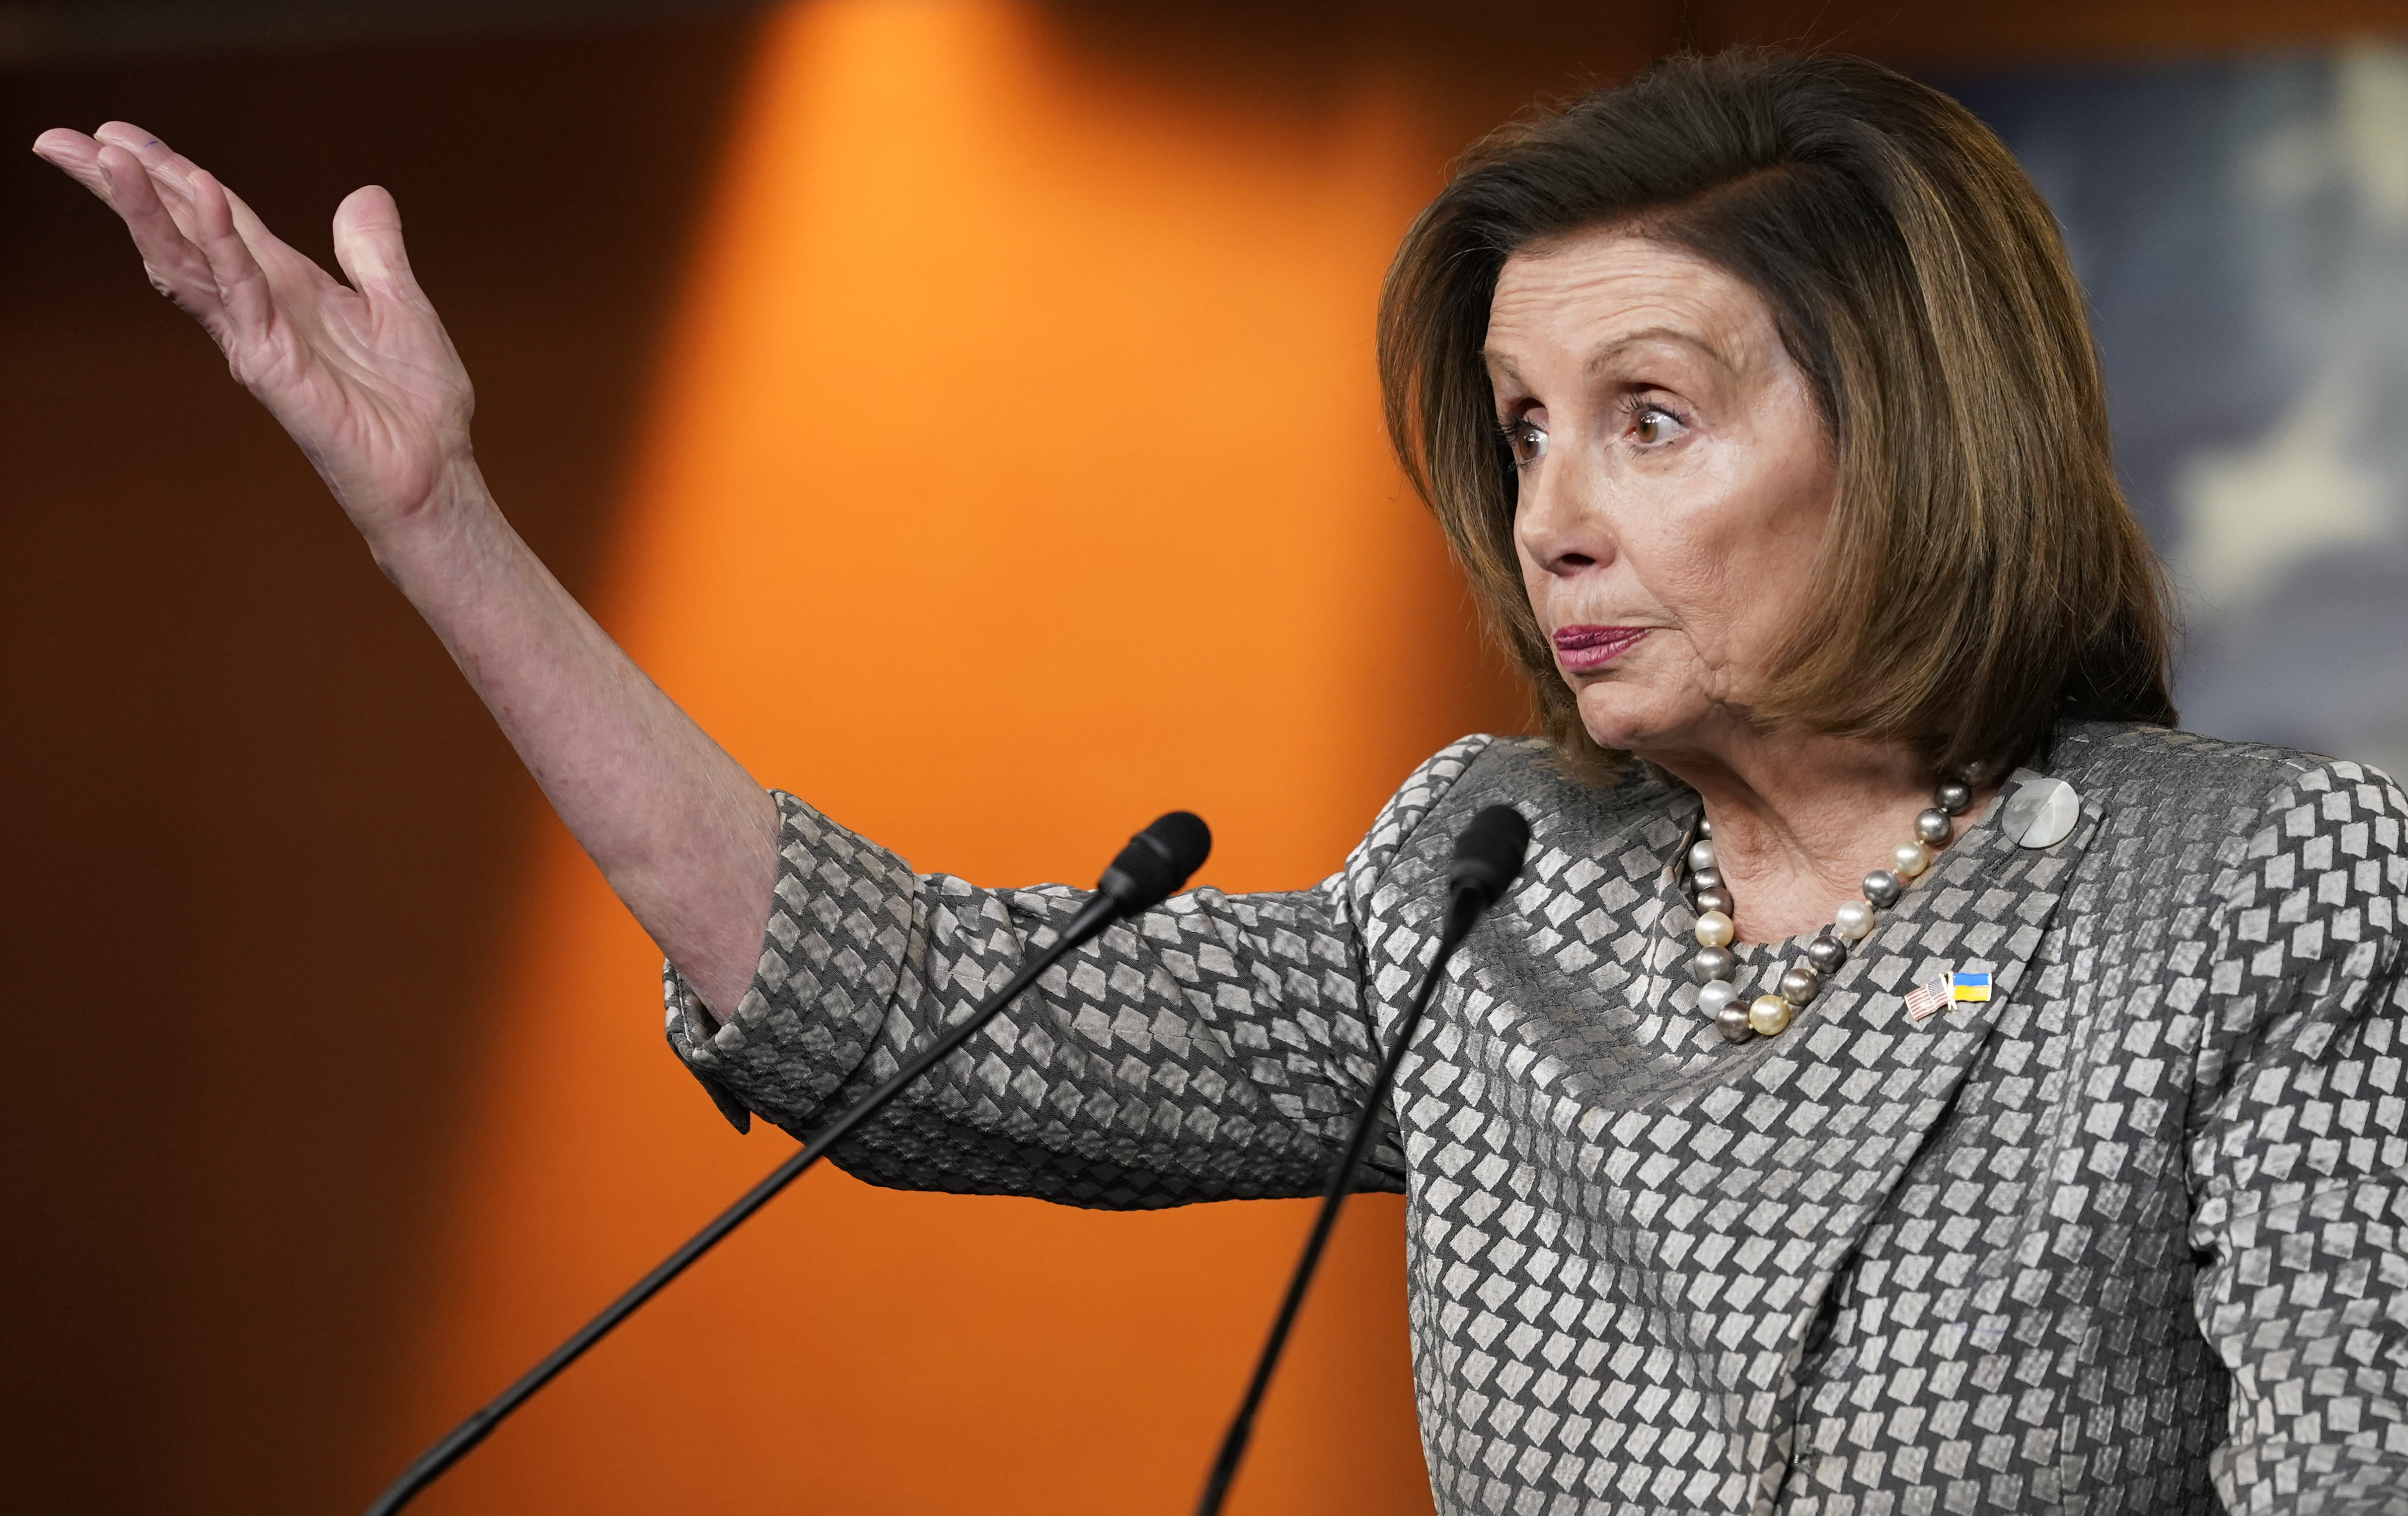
2126,1237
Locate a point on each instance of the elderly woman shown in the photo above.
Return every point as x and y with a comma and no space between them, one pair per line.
1910,1075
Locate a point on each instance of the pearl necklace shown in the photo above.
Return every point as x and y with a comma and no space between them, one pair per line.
1715,965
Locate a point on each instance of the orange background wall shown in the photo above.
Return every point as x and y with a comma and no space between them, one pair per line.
263,849
966,408
1015,474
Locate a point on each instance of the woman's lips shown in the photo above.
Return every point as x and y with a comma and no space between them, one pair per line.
1579,648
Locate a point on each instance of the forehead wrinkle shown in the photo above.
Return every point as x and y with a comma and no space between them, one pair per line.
1613,351
1691,299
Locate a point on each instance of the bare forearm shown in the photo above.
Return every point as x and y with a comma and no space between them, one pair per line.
681,833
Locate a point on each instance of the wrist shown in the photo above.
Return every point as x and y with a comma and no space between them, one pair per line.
451,526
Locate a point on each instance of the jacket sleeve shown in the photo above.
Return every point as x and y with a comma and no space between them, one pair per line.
2299,1154
1215,1046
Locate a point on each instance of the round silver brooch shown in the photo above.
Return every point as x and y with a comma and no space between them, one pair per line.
2040,813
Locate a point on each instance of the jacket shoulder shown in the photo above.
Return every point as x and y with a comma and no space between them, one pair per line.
2240,822
1565,813
2163,763
1396,872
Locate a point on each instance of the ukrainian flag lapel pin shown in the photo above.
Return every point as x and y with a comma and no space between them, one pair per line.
1936,995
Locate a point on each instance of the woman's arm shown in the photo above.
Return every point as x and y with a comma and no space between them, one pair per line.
2299,1154
365,380
683,834
1215,1046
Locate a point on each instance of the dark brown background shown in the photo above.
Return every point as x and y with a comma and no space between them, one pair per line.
258,828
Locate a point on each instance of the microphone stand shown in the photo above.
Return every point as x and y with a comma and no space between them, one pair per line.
1148,857
1487,857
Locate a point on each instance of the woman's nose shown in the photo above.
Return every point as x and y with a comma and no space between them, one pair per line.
1556,522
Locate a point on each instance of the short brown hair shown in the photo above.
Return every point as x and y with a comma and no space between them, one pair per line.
1982,575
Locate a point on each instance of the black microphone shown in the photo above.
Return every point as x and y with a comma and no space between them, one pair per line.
1488,859
1156,860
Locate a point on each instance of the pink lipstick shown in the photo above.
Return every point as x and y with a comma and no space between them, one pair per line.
1579,649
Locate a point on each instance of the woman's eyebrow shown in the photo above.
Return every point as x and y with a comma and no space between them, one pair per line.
1611,353
1501,368
1502,365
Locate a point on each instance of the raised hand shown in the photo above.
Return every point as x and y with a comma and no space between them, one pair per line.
362,377
365,380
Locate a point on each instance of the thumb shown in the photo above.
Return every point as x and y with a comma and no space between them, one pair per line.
368,244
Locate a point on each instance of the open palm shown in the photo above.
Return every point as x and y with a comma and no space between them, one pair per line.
362,376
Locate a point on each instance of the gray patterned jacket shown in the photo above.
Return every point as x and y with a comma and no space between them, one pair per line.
2128,1238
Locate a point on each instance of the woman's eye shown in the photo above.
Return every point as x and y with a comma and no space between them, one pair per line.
1528,443
1653,425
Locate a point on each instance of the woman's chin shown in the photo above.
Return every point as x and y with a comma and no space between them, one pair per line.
1626,719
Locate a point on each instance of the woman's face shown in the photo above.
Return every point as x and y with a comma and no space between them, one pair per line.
1674,481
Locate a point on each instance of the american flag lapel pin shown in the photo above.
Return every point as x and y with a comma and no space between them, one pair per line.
1929,998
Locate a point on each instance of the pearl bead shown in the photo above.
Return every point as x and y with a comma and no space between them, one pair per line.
1933,828
1707,878
1732,1022
1715,995
1767,1015
1955,797
1800,985
1853,920
1712,964
1827,954
1883,889
1701,854
1908,859
1705,827
1715,900
1715,929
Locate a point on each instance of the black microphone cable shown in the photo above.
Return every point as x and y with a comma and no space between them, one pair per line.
1156,860
1487,857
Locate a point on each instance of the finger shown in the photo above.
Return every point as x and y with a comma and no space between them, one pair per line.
175,178
178,268
263,242
154,154
171,173
368,245
74,155
241,284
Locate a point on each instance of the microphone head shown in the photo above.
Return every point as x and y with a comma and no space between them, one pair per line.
1488,854
1157,861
